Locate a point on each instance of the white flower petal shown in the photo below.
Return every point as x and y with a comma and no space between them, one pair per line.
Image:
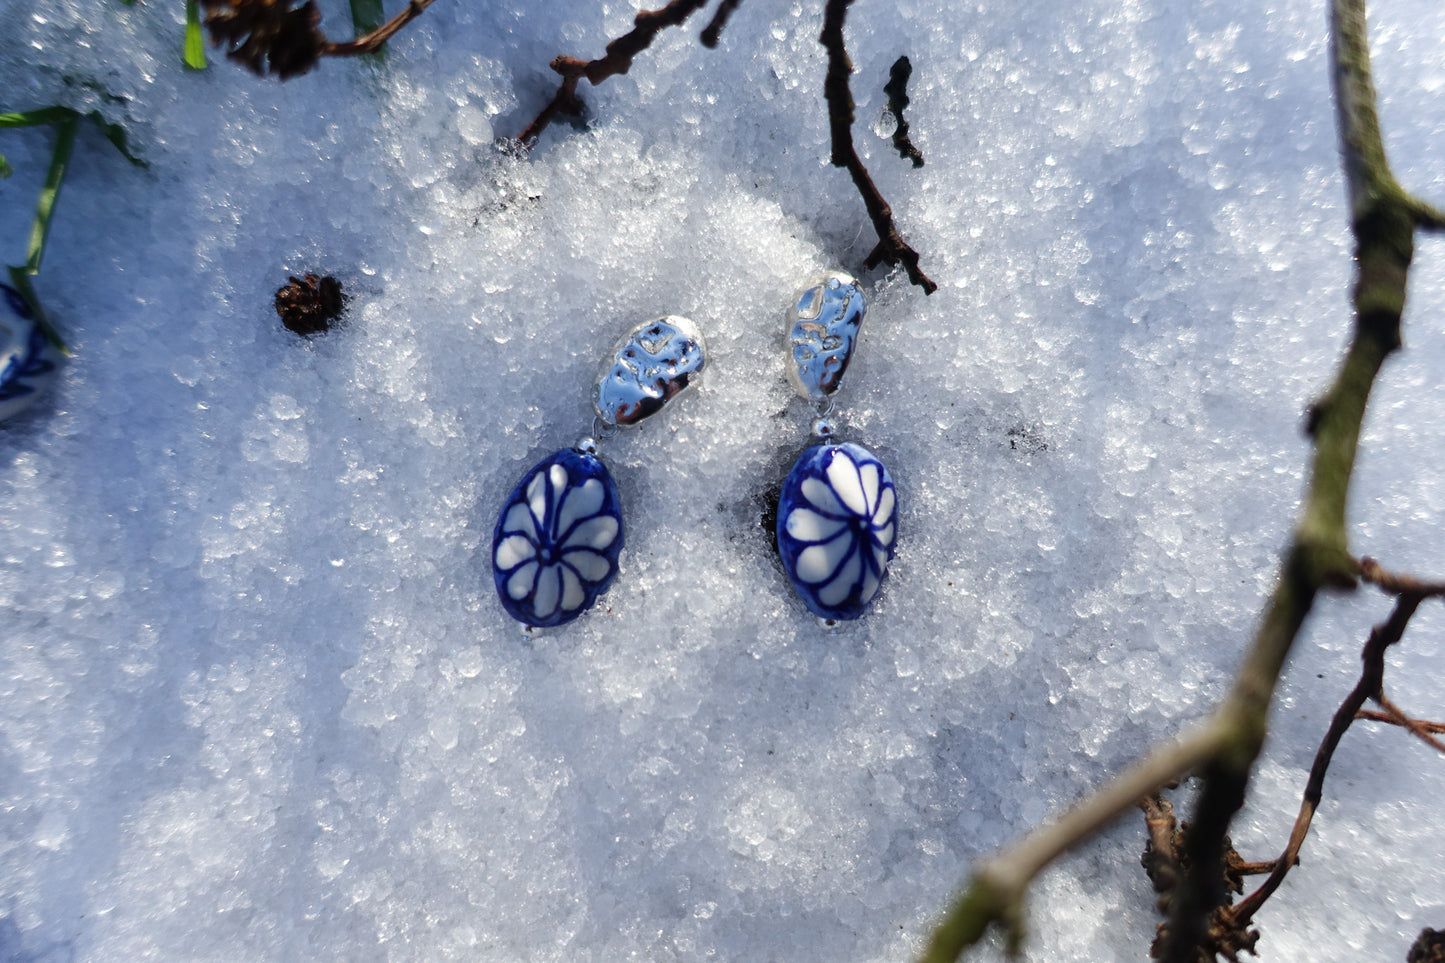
843,476
581,502
589,565
883,513
808,526
513,551
836,591
519,585
519,522
821,497
548,589
880,558
817,562
537,498
572,594
884,535
870,587
596,533
869,476
559,485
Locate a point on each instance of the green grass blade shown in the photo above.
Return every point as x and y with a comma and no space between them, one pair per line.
115,133
20,280
194,55
33,118
59,162
56,114
5,169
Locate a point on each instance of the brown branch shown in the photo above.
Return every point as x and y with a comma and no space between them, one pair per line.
1225,747
1369,715
1255,869
1383,226
714,28
1427,217
565,99
372,42
618,60
1372,574
1369,687
1399,718
897,92
891,248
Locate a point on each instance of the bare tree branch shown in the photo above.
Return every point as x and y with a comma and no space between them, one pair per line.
1225,747
1369,687
891,249
996,890
1372,574
618,60
714,28
897,91
1399,718
373,41
1367,715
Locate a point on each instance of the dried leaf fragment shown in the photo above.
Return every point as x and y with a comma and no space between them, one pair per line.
311,304
267,35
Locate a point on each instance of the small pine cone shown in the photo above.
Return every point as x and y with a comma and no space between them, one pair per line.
267,35
1429,947
311,304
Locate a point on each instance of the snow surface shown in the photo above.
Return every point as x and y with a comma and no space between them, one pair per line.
258,699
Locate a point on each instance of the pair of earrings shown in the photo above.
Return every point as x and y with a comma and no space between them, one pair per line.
560,532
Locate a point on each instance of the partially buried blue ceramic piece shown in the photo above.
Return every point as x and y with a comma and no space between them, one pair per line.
557,539
837,528
28,360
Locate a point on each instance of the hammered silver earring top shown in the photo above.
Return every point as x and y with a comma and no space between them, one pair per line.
822,332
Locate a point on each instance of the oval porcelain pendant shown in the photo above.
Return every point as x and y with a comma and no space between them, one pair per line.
837,528
28,361
555,546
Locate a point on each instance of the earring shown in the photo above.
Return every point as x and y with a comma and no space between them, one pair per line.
28,361
558,536
836,525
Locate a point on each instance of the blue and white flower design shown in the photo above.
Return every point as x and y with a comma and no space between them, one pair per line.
837,528
28,361
555,546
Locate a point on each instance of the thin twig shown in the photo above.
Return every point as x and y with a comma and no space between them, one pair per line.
996,889
1369,715
1427,216
1255,869
564,99
1319,558
1399,718
1368,687
720,17
891,248
618,60
1224,748
897,91
372,42
1372,574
